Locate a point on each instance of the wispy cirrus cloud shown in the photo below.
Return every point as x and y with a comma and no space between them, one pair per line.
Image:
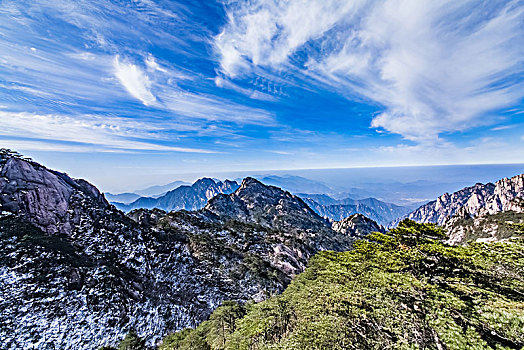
135,81
97,65
432,67
109,134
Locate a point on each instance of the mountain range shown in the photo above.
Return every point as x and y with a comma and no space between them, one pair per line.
504,195
154,191
186,197
77,273
195,197
336,210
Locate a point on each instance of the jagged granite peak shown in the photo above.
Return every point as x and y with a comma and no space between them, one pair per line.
266,205
87,285
481,198
504,195
192,197
357,225
43,196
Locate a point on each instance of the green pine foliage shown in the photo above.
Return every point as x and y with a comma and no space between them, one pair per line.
132,342
400,290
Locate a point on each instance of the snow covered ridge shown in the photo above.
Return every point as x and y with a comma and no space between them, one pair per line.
77,273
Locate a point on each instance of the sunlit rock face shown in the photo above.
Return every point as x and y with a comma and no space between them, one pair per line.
475,200
487,226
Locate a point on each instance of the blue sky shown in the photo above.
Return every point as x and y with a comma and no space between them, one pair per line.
120,91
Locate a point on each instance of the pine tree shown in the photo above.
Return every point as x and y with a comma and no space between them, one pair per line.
132,342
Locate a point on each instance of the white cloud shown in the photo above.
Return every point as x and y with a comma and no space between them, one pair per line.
153,66
135,81
434,66
83,74
251,93
109,133
267,32
503,127
211,108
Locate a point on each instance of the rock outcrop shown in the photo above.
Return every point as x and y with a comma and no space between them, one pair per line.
43,196
357,225
475,200
486,226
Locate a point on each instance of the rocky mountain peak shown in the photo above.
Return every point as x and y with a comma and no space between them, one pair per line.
251,181
266,205
251,186
357,225
43,196
193,197
203,182
479,199
486,225
153,271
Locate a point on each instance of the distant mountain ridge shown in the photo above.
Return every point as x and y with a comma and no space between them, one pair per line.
152,191
336,210
478,199
121,198
195,197
158,190
191,197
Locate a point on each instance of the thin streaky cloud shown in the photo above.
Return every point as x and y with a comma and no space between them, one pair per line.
114,133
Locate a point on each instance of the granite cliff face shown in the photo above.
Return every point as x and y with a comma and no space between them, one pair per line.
503,225
76,273
475,200
42,196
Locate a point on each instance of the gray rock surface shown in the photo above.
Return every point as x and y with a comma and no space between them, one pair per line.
357,225
479,199
41,195
486,226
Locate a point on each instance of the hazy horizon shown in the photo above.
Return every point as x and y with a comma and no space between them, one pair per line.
430,181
